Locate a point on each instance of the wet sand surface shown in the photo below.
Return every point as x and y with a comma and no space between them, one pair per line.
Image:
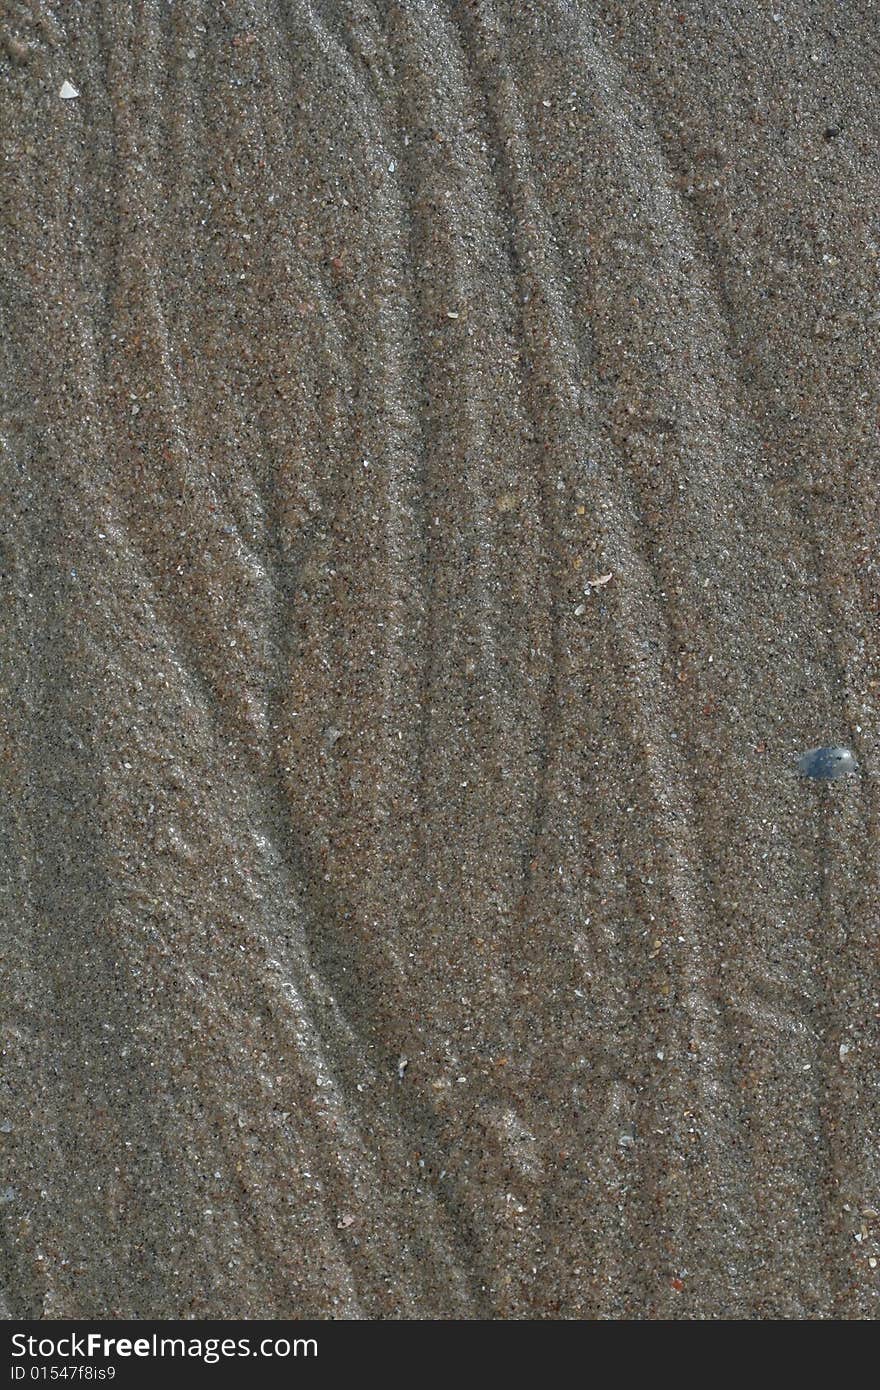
439,470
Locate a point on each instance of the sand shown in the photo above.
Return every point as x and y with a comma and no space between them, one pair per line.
439,455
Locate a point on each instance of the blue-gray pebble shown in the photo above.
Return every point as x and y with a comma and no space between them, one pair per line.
827,763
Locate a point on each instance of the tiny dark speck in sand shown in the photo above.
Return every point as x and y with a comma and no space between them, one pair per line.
827,764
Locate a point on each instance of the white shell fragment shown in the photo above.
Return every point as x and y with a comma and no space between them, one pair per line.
827,763
68,92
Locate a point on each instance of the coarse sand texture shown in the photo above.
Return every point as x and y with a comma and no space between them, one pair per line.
439,467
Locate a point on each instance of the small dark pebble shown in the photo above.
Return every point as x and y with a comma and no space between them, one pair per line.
831,132
827,763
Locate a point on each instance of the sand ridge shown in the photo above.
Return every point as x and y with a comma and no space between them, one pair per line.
439,460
